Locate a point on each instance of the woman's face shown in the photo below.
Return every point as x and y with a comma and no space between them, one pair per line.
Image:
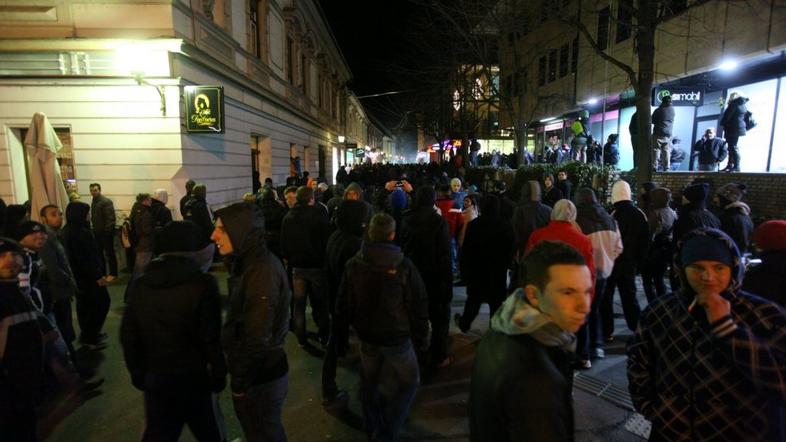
467,202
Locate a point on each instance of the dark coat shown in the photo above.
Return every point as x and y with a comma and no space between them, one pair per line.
552,196
61,282
144,227
768,279
708,151
257,318
736,221
529,215
521,390
172,323
198,212
80,245
22,365
663,120
611,154
425,239
692,216
274,214
733,120
485,257
635,233
183,202
304,234
102,215
161,214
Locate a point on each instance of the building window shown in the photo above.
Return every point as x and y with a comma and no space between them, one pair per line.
564,53
624,20
574,61
603,29
552,65
303,73
542,71
253,16
290,60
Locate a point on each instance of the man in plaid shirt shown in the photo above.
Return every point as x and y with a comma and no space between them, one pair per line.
709,361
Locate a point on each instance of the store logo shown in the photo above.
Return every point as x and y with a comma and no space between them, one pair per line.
680,96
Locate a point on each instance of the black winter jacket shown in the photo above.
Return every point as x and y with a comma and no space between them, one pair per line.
198,212
257,319
708,151
21,359
736,222
692,216
768,279
635,232
102,215
611,154
486,255
520,391
274,213
172,322
733,120
425,239
304,234
383,297
529,215
663,120
81,246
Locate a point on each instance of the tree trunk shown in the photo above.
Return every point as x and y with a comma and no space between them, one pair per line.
645,39
520,136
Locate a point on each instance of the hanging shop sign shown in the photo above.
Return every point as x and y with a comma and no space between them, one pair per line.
204,109
680,96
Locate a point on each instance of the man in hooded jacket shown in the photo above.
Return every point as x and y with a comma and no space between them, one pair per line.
735,218
707,362
529,215
256,324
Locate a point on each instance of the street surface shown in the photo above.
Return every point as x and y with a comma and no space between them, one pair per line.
439,413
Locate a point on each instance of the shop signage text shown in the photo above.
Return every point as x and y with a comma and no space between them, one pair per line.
680,96
204,109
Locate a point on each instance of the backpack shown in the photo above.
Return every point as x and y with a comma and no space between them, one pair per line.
750,123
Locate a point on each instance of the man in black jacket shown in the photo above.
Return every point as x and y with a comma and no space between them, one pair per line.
102,214
662,123
709,150
187,197
198,211
383,298
342,245
304,235
171,339
425,239
257,322
522,379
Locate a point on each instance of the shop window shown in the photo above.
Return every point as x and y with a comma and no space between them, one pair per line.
755,145
624,20
602,35
542,71
778,154
712,105
552,65
563,60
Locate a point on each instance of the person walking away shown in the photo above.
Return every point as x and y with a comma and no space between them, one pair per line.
92,299
171,337
161,213
661,219
662,123
342,245
735,217
144,227
198,211
530,214
522,380
736,122
769,278
709,151
485,257
256,324
384,299
273,212
425,239
706,362
632,223
602,231
102,213
187,197
21,351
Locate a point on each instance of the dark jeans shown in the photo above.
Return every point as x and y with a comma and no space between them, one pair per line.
64,319
106,240
590,335
472,308
396,369
259,411
439,315
734,152
174,400
311,284
622,277
652,278
92,305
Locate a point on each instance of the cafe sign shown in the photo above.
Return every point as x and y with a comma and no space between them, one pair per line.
680,96
204,109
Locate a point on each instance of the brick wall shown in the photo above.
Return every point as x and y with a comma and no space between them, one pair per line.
766,194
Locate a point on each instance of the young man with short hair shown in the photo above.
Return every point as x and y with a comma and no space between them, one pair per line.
52,217
707,362
521,386
102,216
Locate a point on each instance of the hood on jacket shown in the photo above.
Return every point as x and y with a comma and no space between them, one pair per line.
351,217
590,215
585,197
564,210
170,270
425,197
620,191
240,221
382,254
354,187
660,198
76,213
744,208
516,316
737,269
530,192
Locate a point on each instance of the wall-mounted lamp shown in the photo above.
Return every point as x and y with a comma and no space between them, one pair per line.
140,80
728,65
341,138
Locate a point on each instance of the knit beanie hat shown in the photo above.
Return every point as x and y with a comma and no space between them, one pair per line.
706,248
27,228
564,210
620,191
771,235
9,245
398,199
178,236
732,192
696,192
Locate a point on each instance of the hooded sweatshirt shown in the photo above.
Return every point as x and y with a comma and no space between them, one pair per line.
81,246
601,229
731,385
736,222
633,227
529,215
258,315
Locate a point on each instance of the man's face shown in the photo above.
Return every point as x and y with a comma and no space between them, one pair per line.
291,198
53,218
352,195
547,182
10,265
455,186
562,176
221,238
709,134
34,241
708,277
567,296
95,191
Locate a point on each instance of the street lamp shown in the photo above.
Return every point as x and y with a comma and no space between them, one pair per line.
341,138
728,65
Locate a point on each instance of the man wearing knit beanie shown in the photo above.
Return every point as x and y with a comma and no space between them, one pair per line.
768,279
693,213
735,217
714,343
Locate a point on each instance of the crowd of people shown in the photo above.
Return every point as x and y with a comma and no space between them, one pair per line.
377,256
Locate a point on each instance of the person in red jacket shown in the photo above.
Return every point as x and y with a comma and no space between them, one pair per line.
563,228
455,220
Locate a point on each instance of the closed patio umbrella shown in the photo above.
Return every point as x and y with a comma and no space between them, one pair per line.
46,182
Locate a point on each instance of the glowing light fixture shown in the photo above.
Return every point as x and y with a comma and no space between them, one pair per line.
728,65
341,138
592,101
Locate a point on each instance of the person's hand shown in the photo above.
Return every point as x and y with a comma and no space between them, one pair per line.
406,186
390,185
715,306
101,282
